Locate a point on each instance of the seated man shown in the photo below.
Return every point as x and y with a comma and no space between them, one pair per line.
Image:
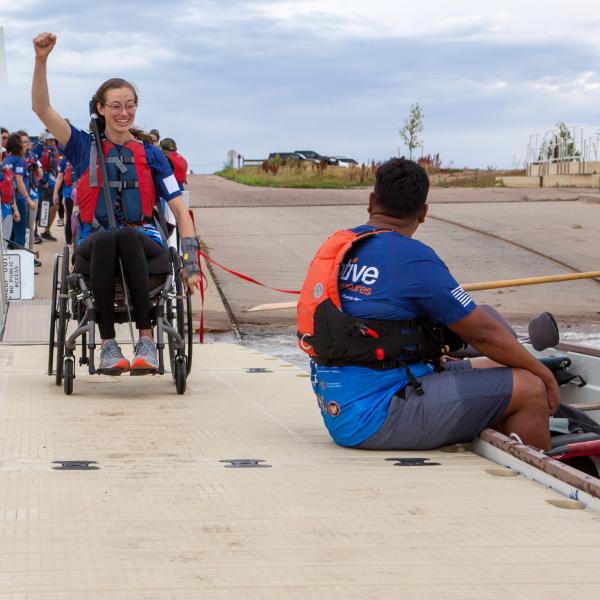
378,382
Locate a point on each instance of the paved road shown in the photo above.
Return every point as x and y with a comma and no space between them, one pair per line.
271,234
216,192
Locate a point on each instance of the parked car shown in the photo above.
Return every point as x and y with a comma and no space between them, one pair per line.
345,162
315,156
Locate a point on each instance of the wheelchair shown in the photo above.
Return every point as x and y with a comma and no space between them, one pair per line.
72,300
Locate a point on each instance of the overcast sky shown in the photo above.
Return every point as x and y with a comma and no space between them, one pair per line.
335,76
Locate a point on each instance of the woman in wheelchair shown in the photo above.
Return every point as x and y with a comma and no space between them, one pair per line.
138,175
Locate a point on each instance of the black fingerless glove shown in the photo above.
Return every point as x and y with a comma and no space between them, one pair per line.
189,253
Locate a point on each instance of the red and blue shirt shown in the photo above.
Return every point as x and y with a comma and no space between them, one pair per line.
77,152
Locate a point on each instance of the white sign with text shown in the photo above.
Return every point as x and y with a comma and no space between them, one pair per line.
18,274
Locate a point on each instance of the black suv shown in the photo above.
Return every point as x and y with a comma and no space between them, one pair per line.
315,156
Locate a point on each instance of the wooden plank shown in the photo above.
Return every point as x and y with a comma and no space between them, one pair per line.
538,459
475,287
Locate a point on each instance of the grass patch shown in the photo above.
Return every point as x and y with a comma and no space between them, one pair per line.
303,174
472,178
306,174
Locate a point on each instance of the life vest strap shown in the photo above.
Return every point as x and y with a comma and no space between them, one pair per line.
119,162
93,166
124,185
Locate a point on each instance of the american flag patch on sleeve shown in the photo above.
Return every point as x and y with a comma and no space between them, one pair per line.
461,296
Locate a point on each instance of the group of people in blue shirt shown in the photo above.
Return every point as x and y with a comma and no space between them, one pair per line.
34,168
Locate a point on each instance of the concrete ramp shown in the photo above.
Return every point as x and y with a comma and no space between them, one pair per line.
163,518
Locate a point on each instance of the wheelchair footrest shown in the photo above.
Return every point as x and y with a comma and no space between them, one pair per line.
111,372
137,372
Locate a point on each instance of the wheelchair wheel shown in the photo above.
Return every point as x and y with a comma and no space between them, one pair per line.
190,331
180,318
177,322
53,314
63,316
69,375
180,374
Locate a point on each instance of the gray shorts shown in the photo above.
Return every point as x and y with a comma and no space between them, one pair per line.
457,405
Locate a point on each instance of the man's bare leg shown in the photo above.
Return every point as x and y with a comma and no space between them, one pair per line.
527,413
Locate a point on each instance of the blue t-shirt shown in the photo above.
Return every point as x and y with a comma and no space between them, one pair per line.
77,152
387,276
18,167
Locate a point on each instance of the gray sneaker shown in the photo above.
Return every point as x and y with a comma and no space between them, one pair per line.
112,361
146,355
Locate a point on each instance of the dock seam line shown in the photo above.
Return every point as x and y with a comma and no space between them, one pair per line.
261,408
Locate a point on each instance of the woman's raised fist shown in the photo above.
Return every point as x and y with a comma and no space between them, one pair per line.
43,44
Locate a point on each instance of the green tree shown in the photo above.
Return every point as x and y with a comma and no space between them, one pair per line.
561,144
413,126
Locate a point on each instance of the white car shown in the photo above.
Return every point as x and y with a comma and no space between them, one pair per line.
343,161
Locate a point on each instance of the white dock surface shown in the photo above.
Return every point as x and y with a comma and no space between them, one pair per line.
163,519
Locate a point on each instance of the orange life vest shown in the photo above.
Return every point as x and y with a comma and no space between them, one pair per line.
332,337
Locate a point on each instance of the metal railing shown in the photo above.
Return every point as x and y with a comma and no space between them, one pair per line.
252,162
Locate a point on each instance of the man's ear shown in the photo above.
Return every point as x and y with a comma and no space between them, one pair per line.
423,213
371,203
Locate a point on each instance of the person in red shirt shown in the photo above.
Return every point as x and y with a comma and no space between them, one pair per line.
178,163
4,134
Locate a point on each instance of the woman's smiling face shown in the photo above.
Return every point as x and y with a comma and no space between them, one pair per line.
118,109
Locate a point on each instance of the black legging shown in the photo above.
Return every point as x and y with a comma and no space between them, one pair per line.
135,249
68,211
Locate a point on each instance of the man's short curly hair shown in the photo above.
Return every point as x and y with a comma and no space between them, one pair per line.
401,187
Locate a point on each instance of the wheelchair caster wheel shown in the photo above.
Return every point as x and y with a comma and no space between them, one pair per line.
68,375
180,374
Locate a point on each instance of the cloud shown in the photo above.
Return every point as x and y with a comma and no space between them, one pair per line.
338,76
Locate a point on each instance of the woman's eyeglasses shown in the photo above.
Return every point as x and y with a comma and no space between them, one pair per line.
117,107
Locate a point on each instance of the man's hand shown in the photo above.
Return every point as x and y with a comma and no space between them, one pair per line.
552,394
43,44
55,199
16,215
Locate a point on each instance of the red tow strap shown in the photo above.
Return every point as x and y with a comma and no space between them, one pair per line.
203,286
204,282
246,277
